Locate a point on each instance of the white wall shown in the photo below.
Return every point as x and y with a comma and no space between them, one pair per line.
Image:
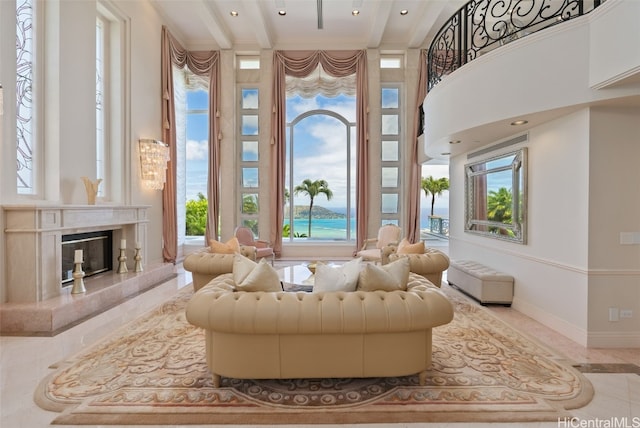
614,207
611,28
583,191
581,153
146,112
68,114
551,269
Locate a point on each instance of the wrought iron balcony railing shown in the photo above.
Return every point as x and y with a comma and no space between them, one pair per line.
483,25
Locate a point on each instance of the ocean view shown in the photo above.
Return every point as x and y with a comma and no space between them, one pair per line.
336,228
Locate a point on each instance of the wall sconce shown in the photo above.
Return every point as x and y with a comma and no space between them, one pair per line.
154,156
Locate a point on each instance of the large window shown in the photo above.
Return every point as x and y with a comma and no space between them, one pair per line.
196,160
249,158
321,174
191,101
102,28
391,156
112,94
24,97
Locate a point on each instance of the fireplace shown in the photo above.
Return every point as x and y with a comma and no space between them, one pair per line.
34,234
96,249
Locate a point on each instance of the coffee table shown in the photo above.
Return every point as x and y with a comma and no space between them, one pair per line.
296,278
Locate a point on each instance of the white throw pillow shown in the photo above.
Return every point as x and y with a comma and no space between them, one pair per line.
337,278
351,271
389,277
328,278
263,277
242,266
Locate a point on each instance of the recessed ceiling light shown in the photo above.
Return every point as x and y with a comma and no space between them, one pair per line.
355,12
234,13
519,122
282,12
403,12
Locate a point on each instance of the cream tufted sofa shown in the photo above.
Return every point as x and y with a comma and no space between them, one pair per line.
269,335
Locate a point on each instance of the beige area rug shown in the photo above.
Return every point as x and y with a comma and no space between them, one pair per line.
153,371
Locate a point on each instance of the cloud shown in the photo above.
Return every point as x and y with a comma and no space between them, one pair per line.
197,150
325,157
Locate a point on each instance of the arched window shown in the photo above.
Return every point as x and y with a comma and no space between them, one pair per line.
321,148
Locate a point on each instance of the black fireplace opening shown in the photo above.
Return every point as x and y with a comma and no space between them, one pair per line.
97,252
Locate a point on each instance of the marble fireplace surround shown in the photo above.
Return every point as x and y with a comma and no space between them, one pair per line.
37,301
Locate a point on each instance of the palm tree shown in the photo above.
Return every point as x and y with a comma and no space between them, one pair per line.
499,205
313,189
435,187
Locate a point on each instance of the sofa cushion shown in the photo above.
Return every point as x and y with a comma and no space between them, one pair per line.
405,247
232,246
389,277
337,278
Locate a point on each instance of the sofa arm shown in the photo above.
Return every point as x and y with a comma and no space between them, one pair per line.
205,266
430,264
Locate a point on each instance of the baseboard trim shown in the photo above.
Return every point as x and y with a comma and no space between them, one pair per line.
560,325
614,339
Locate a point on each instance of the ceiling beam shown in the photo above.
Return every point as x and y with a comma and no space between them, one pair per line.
428,14
259,23
215,24
380,22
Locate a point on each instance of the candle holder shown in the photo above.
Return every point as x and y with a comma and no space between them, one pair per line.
138,258
78,281
122,261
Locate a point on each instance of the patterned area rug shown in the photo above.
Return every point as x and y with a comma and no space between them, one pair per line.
153,371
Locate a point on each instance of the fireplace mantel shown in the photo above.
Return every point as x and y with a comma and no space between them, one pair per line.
33,238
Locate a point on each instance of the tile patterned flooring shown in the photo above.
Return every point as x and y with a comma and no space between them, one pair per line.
24,361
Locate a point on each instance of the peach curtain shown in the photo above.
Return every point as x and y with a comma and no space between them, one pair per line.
204,64
301,64
415,175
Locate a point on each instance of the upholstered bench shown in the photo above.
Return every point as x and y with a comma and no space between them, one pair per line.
485,284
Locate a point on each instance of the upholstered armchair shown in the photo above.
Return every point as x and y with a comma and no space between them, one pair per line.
263,248
206,265
427,262
389,234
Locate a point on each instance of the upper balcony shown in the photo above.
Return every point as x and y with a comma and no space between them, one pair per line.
481,26
496,61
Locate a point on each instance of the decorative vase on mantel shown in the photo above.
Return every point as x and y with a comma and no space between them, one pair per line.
92,189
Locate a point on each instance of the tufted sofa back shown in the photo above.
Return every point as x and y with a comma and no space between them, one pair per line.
219,308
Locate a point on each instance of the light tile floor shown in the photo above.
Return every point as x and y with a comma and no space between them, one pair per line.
24,361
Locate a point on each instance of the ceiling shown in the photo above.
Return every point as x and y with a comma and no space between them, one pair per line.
308,24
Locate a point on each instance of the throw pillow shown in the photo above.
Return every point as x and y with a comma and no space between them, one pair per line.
404,247
389,277
251,276
337,278
328,278
232,246
242,267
